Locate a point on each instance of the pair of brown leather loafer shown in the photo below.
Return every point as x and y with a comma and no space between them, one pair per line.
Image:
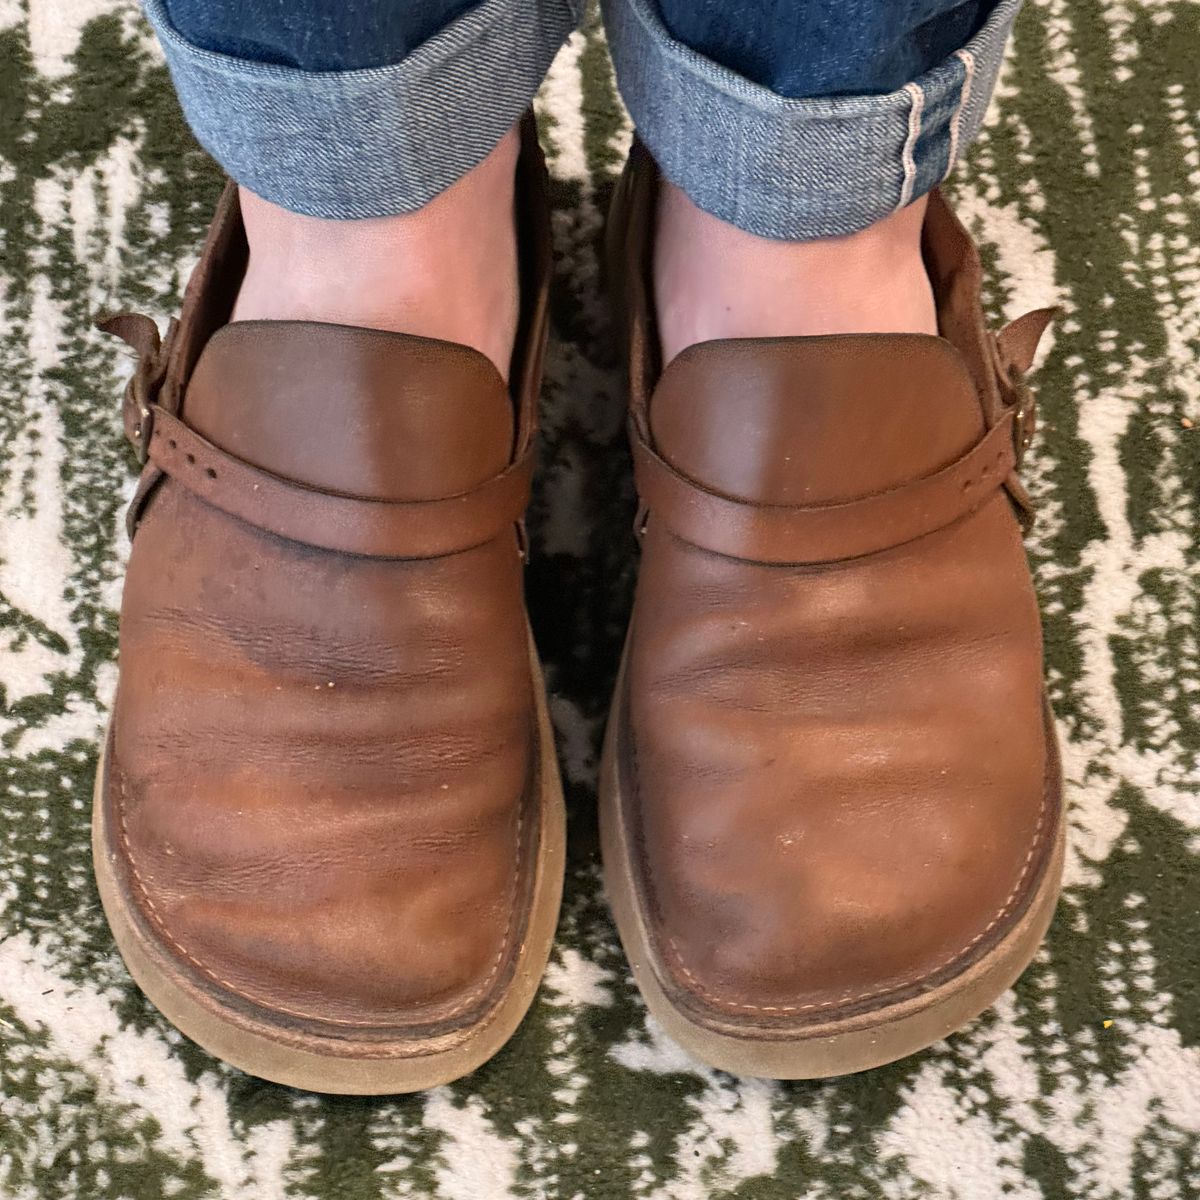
328,822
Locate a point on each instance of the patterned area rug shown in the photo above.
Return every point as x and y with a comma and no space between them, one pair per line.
1083,1082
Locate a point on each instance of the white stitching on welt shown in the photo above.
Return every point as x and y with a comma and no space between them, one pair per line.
914,131
968,61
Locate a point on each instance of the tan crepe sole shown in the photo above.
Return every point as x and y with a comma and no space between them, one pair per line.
347,1066
834,1047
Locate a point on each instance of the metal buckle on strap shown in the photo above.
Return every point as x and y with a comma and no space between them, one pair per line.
640,520
141,392
1014,348
1017,397
143,425
1024,418
1022,403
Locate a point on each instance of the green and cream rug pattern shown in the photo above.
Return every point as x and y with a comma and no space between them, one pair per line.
1084,1082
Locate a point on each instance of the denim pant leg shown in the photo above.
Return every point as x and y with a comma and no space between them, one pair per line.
801,119
356,110
313,35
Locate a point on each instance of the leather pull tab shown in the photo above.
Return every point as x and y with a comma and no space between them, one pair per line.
1018,341
135,330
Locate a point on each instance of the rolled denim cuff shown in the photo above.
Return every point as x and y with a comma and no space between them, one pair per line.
798,169
375,142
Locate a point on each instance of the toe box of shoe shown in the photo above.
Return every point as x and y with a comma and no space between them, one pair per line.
320,770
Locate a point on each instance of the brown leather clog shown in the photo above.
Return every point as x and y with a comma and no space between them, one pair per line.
831,812
328,823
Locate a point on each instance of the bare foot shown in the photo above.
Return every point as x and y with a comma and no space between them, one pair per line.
712,280
448,270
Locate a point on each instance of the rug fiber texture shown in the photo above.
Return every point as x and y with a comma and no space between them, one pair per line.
1082,1084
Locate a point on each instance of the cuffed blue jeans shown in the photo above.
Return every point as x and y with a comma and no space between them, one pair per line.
791,119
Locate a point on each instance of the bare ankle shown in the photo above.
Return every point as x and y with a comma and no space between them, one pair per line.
713,280
447,270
